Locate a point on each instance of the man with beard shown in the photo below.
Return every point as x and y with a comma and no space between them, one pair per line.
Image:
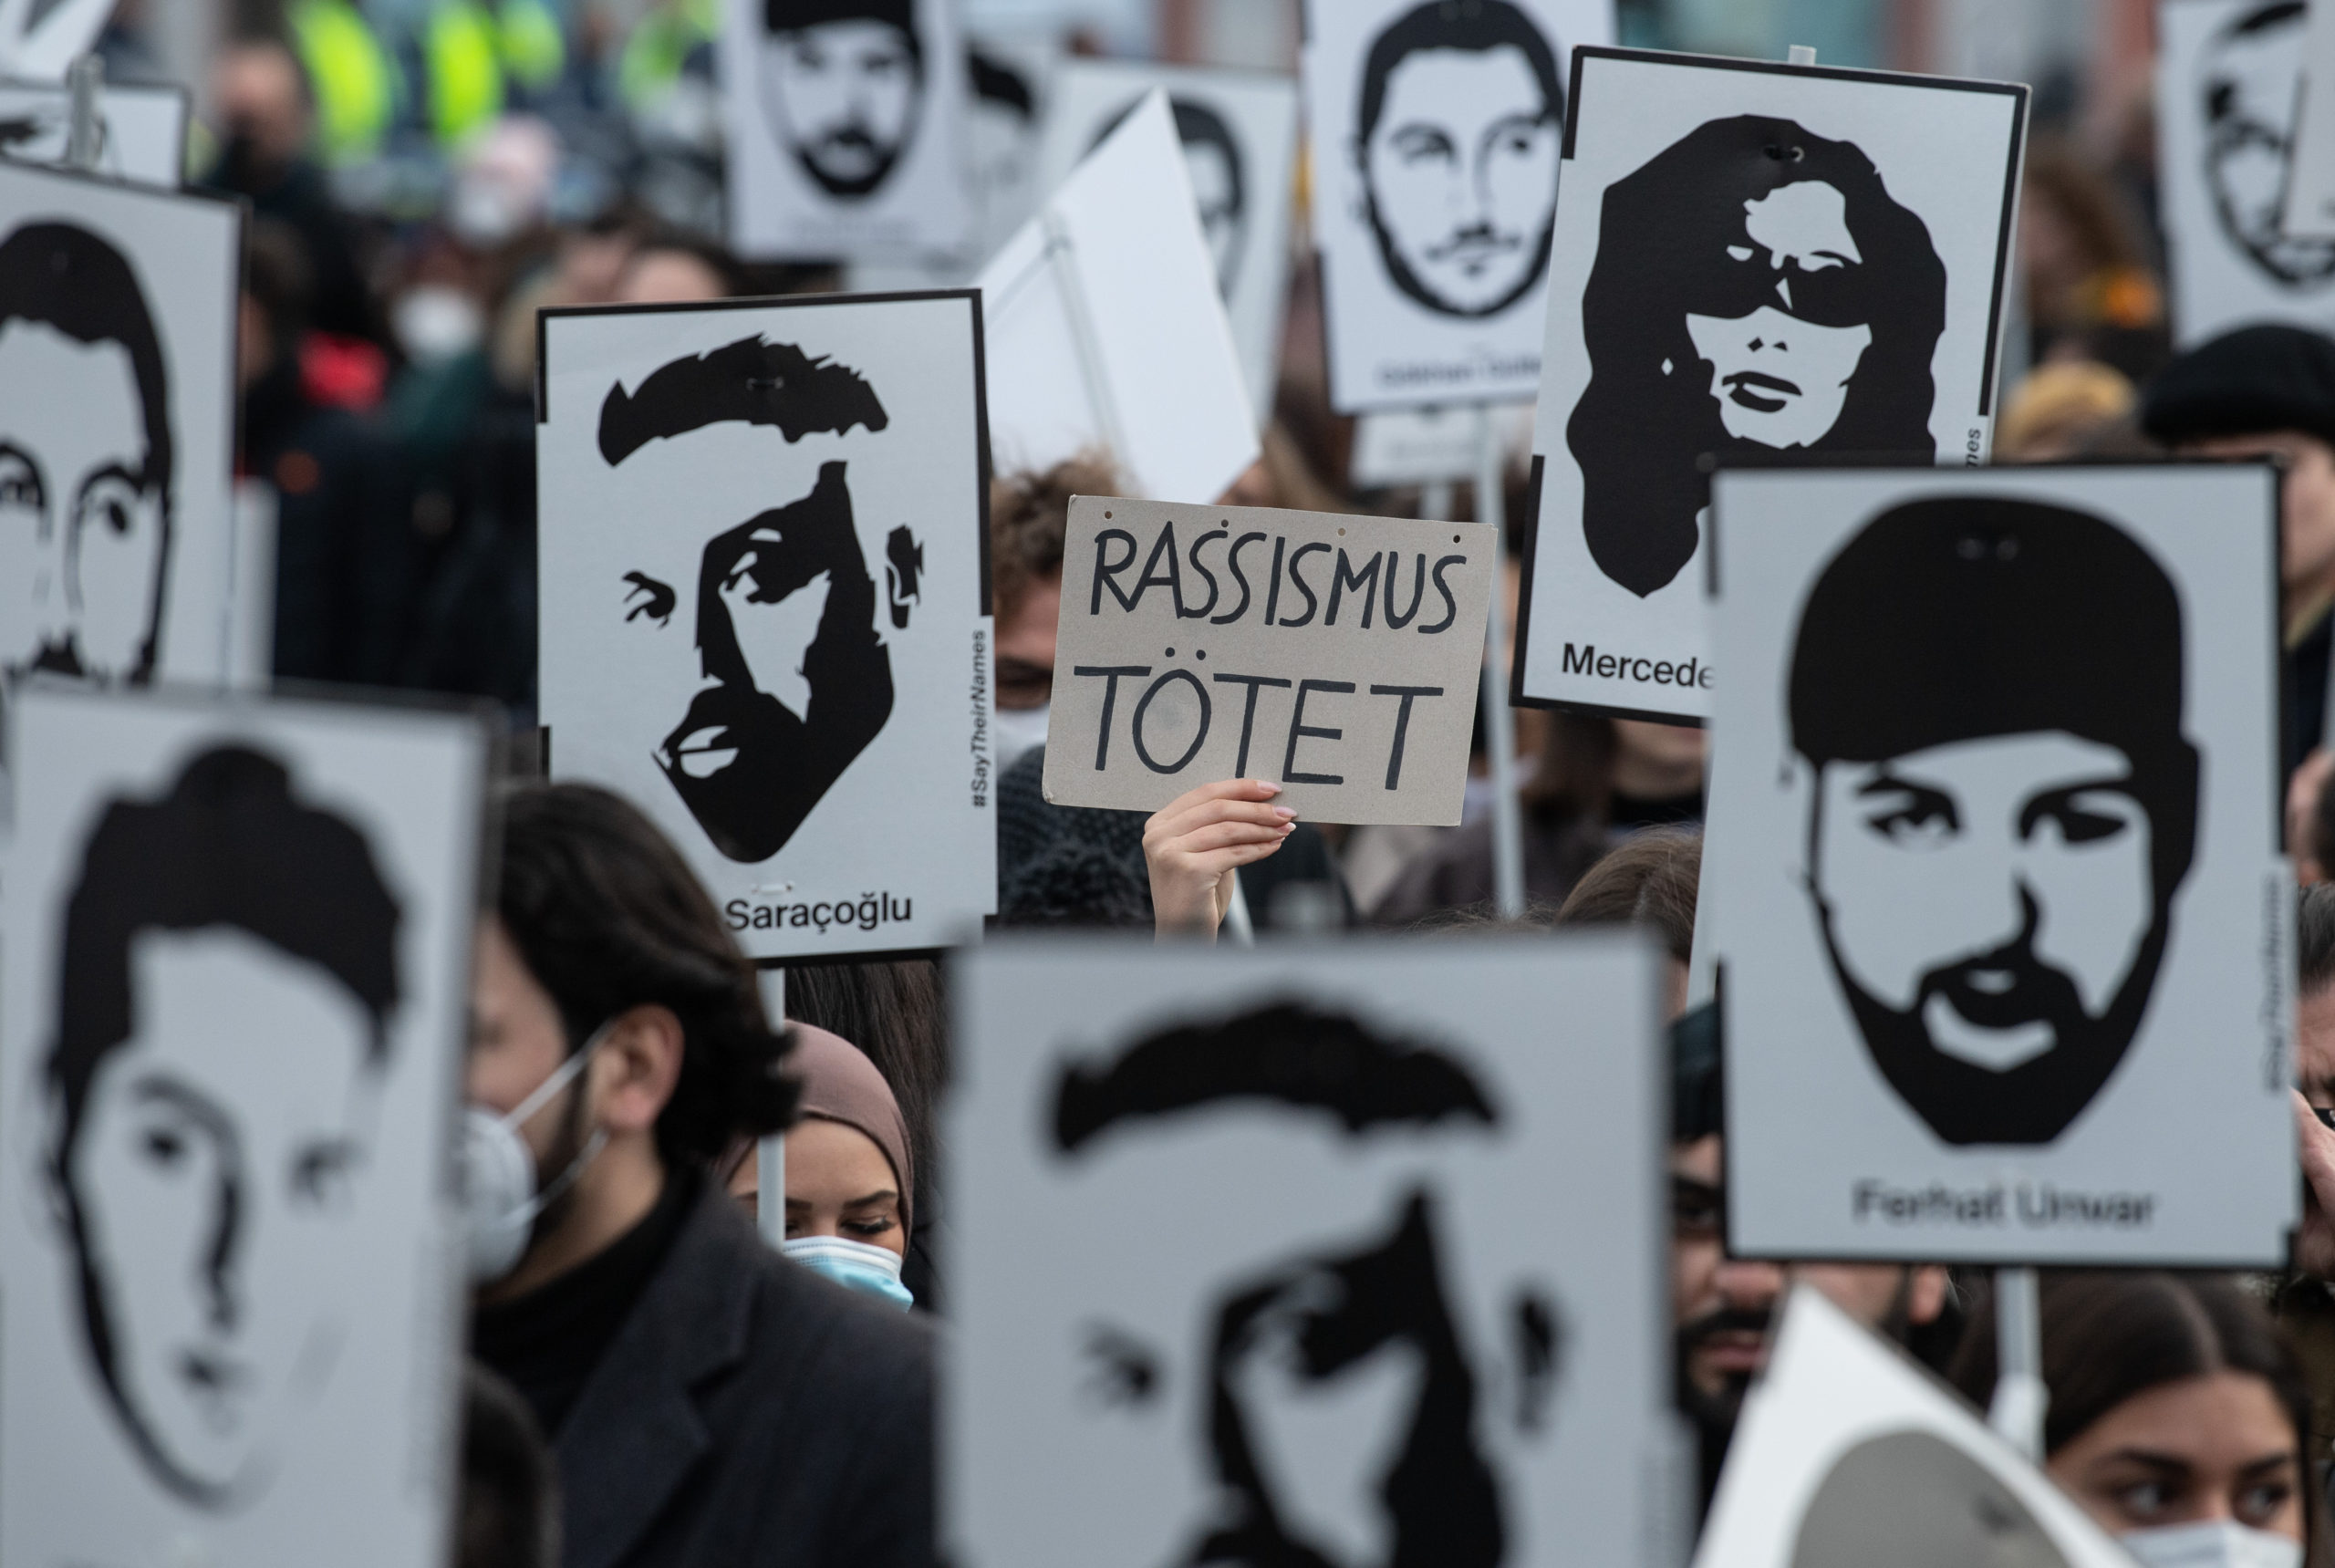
843,83
1456,142
1986,697
709,1403
1724,1307
787,679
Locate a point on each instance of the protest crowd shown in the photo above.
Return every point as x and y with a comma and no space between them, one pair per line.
719,1189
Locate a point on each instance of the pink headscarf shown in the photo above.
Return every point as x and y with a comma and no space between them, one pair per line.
841,1084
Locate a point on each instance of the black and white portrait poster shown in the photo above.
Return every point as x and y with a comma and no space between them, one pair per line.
141,130
1993,871
1761,264
38,41
236,998
1847,1456
845,128
1335,1256
1239,134
1435,131
1105,330
1013,88
116,427
2229,101
763,611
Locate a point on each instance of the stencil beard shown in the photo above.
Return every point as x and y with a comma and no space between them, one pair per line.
2031,1101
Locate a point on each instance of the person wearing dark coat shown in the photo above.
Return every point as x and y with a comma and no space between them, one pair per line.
709,1403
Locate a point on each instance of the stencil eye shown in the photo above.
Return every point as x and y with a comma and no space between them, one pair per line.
1740,252
1122,1372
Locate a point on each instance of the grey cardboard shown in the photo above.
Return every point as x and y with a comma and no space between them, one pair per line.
1331,1254
1336,655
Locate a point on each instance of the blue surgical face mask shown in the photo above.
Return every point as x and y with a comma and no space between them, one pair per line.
854,1266
2211,1543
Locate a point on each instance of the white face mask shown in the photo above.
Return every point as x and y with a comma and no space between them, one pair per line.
2211,1543
1017,731
497,1173
434,322
854,1266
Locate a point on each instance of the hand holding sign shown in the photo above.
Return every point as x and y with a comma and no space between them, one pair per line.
1336,655
1193,844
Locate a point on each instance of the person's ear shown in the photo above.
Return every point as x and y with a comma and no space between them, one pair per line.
640,1064
1925,1289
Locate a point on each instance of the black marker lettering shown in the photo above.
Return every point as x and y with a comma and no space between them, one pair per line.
1402,722
1110,694
1345,577
1272,588
1311,601
1172,580
1298,726
1205,573
1233,559
1249,711
1144,703
1418,586
1451,605
1106,570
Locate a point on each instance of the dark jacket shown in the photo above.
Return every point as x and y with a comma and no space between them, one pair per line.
1456,872
750,1414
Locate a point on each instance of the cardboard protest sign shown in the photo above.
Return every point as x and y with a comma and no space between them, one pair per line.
116,427
1993,865
142,131
1759,264
232,1017
1239,134
1184,657
1106,332
1329,1254
1433,130
1848,1455
845,128
2228,101
2311,178
763,588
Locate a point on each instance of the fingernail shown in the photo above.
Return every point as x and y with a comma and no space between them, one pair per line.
1284,813
1269,787
1287,828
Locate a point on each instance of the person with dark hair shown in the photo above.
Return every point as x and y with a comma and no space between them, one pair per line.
709,1402
850,1178
506,1514
1757,291
1029,516
1456,137
1986,697
1594,783
1300,1319
2249,87
219,1029
2270,391
763,628
85,458
1723,1308
2177,1419
896,1013
842,85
